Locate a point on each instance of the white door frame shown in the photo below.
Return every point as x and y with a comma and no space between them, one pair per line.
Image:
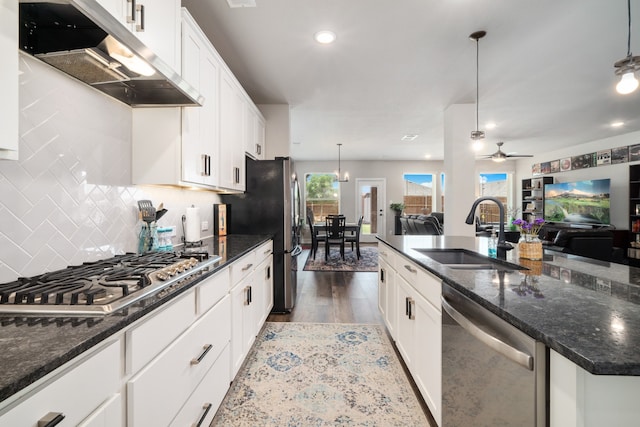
381,183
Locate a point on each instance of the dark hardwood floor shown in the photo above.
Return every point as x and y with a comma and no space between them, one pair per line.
339,297
333,297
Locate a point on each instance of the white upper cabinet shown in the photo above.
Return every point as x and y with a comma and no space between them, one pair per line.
9,79
200,132
254,128
155,22
232,109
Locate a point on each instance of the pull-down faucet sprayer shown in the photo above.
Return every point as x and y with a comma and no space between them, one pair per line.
502,244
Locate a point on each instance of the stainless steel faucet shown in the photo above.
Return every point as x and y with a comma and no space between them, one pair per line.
502,243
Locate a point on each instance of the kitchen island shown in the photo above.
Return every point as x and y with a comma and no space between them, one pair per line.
585,311
35,349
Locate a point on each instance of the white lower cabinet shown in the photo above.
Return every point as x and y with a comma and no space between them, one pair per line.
411,296
251,301
86,389
205,400
387,296
156,393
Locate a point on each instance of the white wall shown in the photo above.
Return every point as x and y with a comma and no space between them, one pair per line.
69,197
619,173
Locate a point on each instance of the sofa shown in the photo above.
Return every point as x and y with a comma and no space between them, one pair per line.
594,243
421,224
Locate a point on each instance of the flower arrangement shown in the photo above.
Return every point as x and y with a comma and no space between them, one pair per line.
529,228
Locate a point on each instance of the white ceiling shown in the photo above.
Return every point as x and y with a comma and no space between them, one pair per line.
546,70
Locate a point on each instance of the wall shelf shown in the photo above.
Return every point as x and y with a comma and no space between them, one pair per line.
533,197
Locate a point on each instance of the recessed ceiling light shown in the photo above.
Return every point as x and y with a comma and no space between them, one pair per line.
409,137
490,125
427,156
325,36
617,124
241,3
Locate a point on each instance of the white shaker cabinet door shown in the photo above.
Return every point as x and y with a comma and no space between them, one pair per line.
9,79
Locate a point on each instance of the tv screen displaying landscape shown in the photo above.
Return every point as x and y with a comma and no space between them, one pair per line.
581,202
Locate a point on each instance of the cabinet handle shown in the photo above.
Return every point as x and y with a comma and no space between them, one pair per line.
382,275
51,419
206,348
207,408
411,269
208,165
411,304
267,252
132,12
258,149
246,295
140,26
246,267
204,165
268,272
236,175
406,306
250,294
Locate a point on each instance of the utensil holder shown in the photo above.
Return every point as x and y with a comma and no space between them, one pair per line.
148,238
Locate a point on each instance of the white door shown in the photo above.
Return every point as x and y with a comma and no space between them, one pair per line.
370,203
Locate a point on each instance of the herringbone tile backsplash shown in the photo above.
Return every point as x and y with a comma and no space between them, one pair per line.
69,198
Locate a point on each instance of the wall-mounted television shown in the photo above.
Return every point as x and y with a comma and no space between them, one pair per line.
580,202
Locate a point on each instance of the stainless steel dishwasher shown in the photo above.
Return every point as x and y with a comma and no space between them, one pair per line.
492,373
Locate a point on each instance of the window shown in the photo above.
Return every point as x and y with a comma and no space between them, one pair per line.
418,193
322,195
493,185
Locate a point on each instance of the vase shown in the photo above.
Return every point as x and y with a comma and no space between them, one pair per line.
530,247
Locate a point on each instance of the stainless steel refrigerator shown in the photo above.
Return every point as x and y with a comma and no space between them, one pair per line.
271,205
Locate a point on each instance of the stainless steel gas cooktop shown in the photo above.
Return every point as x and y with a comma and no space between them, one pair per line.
105,286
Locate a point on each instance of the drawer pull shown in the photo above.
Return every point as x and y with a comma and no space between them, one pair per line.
51,419
206,348
248,266
411,269
411,314
207,408
267,252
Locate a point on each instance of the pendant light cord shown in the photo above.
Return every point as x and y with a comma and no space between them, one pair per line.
629,29
478,80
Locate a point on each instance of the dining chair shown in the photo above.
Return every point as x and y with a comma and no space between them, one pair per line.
316,236
354,238
335,225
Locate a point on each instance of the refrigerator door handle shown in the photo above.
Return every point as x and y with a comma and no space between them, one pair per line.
295,252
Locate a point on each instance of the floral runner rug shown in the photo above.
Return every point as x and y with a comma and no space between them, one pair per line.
368,260
321,374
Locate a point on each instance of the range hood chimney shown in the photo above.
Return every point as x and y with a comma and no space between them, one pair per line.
82,39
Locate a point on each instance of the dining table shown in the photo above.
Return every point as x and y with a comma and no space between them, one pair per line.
350,228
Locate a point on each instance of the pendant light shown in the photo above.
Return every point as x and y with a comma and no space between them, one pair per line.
628,66
346,174
477,135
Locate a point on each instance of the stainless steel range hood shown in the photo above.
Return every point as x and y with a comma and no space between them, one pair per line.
82,39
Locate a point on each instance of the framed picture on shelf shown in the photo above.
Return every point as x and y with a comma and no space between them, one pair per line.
619,155
565,164
603,157
545,167
555,166
634,152
535,169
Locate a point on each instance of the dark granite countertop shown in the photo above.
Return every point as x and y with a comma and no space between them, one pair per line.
35,346
587,310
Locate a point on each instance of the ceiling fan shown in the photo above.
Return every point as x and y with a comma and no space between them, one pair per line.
501,156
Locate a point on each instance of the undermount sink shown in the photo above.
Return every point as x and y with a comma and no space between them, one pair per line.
461,259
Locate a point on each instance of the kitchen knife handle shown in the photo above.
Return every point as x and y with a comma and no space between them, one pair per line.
207,348
140,26
132,12
51,419
207,408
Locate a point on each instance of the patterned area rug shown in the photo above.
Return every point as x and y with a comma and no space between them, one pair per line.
321,374
368,260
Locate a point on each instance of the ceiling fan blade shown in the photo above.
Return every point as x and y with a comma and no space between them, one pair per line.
519,155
